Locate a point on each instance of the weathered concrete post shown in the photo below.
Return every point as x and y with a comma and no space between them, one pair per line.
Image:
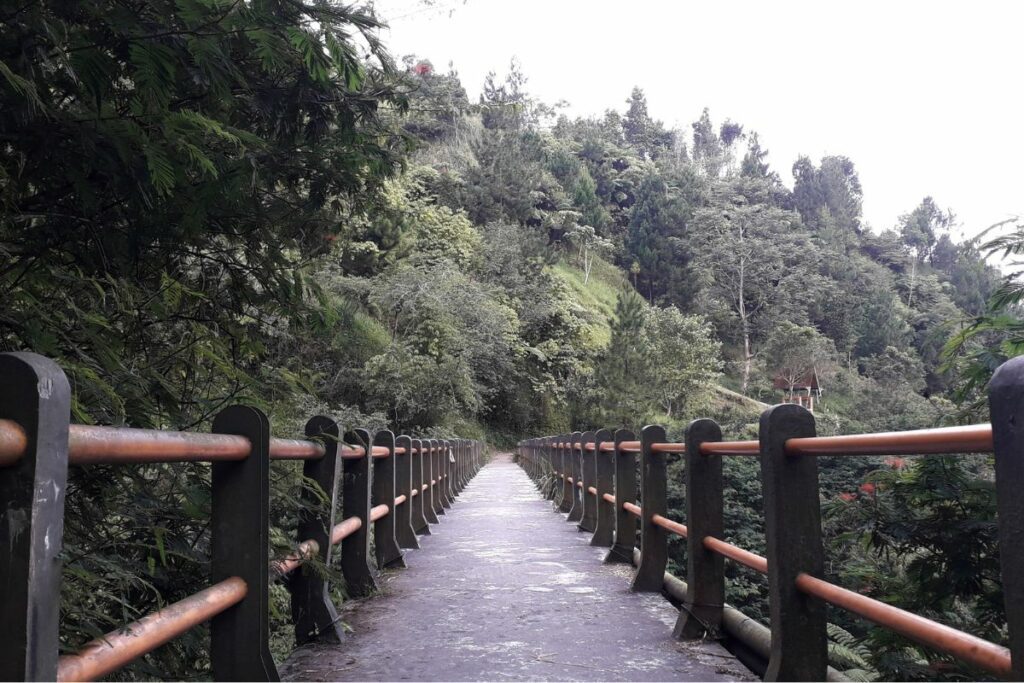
565,504
37,396
430,479
313,610
1006,410
604,476
385,544
240,544
650,575
625,492
355,502
701,616
576,469
423,510
437,474
449,468
588,475
405,533
793,532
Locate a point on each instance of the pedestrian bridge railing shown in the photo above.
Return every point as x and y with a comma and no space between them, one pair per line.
381,486
595,476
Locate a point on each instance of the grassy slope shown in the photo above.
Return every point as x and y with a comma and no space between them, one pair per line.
595,301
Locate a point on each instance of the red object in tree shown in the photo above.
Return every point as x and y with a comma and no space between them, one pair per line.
868,488
848,497
330,238
896,463
422,69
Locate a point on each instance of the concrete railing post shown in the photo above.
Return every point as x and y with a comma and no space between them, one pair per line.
436,479
1006,411
625,492
701,615
240,546
355,502
604,476
423,509
36,395
385,543
792,513
405,533
588,475
565,503
650,575
576,470
313,612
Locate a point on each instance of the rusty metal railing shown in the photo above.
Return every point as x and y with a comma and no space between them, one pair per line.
391,486
787,447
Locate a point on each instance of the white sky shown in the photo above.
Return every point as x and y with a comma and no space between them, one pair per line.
925,98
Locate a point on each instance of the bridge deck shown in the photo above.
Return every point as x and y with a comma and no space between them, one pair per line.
505,589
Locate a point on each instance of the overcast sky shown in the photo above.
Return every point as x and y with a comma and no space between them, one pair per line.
925,98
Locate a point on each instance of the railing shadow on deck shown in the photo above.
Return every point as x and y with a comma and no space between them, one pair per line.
594,483
394,486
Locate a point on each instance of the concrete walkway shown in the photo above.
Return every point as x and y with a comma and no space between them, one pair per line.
506,589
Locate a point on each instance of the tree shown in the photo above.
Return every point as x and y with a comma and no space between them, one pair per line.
682,361
754,260
919,231
829,197
590,245
794,352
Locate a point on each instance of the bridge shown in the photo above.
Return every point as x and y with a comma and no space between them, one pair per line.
546,564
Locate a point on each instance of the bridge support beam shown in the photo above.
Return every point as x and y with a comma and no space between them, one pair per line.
37,396
313,610
240,543
793,533
625,492
701,616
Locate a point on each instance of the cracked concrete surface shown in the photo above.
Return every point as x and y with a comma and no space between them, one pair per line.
506,589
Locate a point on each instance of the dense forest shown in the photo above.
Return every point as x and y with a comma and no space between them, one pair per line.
208,202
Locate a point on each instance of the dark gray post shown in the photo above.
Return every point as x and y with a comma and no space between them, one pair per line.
565,504
575,468
701,616
385,545
355,549
792,515
604,476
313,611
435,475
650,575
427,494
447,455
36,395
588,474
423,511
1006,409
625,492
405,534
240,544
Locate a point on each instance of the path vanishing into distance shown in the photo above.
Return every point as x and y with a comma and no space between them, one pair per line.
505,589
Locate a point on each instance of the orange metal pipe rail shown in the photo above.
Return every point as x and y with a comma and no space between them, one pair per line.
111,652
968,439
633,509
89,445
964,646
670,526
736,554
379,512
